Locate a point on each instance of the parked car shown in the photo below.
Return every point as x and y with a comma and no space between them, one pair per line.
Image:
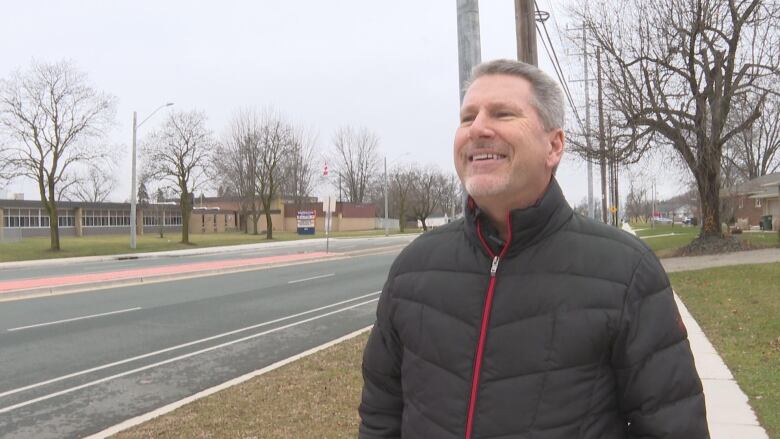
662,220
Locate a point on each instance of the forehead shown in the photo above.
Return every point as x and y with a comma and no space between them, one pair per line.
499,89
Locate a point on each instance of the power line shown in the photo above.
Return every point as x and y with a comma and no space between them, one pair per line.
555,22
558,69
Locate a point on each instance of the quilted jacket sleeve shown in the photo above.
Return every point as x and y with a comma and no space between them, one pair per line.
659,390
382,401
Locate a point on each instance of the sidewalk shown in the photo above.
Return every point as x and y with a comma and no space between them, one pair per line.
728,413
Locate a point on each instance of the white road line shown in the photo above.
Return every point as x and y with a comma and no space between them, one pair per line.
212,390
180,357
74,319
162,351
311,278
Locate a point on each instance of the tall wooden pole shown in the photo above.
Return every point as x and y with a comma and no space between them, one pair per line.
602,141
525,28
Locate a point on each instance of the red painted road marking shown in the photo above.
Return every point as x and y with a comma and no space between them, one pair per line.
24,284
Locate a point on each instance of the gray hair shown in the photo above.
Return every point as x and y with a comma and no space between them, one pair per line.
547,98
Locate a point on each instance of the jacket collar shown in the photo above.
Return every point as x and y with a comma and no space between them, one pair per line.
528,225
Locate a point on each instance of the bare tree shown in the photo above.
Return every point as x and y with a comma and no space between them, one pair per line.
425,193
179,153
298,169
754,151
275,140
54,119
143,193
637,204
673,70
93,186
356,160
5,165
449,194
401,186
236,161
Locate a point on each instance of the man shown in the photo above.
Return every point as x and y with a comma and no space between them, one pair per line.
525,320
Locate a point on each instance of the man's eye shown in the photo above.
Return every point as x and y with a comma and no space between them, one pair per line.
466,119
503,114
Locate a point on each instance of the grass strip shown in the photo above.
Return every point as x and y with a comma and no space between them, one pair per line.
739,309
101,245
665,240
314,397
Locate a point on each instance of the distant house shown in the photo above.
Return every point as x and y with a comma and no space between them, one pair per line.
754,199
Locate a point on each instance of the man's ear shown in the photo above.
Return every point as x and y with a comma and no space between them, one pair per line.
556,140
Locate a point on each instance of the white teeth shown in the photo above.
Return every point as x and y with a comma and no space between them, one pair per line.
477,157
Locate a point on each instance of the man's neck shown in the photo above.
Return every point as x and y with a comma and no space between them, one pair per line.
497,209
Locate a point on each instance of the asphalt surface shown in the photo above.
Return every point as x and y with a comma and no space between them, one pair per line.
75,364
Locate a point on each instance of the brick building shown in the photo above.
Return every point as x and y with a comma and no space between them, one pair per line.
754,199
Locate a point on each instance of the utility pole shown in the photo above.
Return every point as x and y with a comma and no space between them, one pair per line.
469,52
525,28
591,208
602,146
613,174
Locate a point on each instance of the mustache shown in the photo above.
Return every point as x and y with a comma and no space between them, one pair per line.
499,147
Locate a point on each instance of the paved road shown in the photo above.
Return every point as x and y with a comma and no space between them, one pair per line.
75,364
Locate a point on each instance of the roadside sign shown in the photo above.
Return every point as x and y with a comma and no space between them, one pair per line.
306,220
613,209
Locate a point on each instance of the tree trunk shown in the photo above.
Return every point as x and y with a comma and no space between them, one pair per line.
425,226
269,233
255,220
186,210
54,229
709,192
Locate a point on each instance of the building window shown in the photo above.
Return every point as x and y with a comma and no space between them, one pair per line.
65,218
27,218
105,218
172,219
758,202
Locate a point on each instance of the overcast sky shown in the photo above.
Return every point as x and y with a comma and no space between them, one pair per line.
391,67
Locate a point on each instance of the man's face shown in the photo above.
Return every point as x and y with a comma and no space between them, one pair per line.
502,151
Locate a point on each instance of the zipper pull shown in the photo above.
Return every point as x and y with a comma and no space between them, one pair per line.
494,267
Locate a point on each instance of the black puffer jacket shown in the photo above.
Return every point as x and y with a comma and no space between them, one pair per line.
575,335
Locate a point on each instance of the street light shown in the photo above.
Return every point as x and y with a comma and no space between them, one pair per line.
133,189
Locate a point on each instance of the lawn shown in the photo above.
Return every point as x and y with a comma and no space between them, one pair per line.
737,307
315,397
38,248
666,239
739,310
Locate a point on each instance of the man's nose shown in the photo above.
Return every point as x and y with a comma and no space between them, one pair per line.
481,127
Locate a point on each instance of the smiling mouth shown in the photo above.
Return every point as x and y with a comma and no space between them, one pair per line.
486,157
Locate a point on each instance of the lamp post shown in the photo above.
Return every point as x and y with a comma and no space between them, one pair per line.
133,189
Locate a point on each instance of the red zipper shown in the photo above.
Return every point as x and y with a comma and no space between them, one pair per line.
485,321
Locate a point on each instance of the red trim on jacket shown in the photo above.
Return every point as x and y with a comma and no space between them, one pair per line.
485,320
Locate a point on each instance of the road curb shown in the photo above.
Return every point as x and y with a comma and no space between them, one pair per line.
235,381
